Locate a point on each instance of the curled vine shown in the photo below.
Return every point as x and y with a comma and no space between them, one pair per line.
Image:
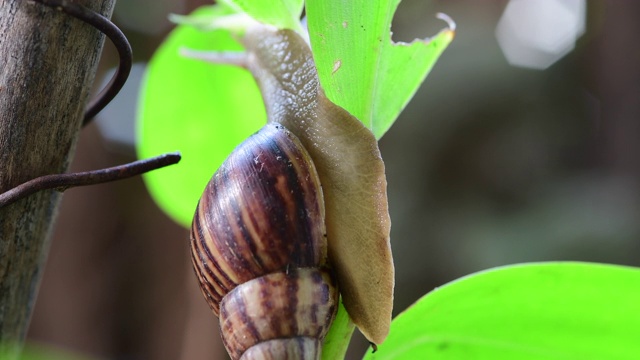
61,182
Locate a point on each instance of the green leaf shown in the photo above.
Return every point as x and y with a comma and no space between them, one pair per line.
339,336
283,14
360,68
37,351
564,310
200,109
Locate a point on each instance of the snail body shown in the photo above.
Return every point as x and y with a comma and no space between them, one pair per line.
350,167
260,235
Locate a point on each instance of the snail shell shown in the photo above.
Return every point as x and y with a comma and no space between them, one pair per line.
259,250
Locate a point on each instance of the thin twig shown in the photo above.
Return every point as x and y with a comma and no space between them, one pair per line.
119,41
61,182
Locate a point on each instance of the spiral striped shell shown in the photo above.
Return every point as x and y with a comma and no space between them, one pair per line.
259,250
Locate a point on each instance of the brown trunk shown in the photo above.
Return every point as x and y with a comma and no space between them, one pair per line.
47,65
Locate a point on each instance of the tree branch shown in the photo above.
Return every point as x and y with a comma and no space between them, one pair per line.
48,62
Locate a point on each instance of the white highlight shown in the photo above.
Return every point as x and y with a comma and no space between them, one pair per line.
537,33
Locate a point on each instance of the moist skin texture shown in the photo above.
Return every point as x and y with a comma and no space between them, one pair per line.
350,168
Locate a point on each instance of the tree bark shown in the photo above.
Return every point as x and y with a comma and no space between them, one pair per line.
47,64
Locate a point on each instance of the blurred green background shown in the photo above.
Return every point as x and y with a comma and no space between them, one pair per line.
490,164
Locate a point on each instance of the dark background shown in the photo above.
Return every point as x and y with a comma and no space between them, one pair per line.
490,164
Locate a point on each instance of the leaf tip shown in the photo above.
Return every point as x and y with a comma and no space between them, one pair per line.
446,18
451,25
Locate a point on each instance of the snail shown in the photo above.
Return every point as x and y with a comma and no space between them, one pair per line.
297,211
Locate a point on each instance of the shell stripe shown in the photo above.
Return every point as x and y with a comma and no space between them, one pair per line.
278,306
217,275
